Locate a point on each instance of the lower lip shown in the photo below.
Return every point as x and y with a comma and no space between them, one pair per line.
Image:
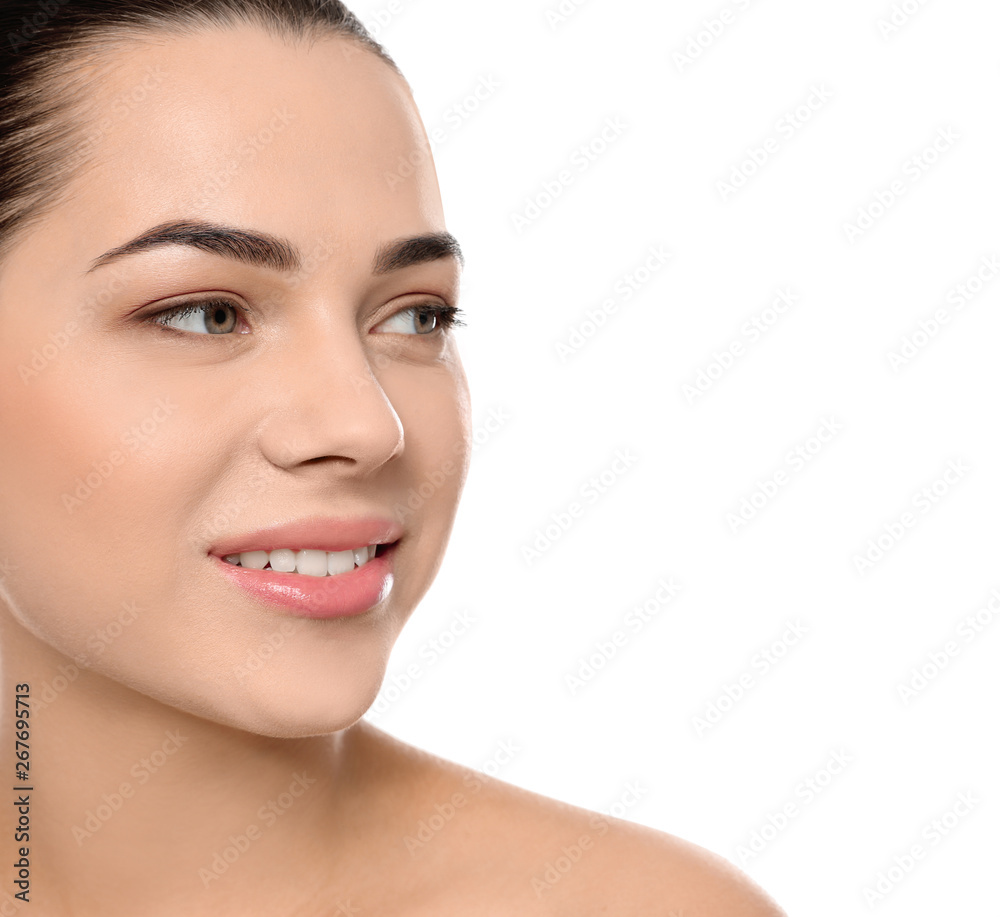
340,596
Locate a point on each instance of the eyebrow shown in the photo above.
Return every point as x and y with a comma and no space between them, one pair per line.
264,250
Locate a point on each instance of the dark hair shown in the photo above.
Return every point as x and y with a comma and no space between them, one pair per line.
50,60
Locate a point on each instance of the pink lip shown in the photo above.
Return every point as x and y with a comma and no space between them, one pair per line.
311,596
316,534
317,596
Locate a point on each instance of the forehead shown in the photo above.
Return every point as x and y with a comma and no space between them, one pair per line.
303,137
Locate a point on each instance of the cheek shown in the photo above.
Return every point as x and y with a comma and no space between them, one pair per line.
84,464
433,407
434,412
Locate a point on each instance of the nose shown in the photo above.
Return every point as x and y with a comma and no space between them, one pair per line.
326,405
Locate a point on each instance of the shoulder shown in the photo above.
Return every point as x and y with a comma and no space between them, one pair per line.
498,843
632,869
593,864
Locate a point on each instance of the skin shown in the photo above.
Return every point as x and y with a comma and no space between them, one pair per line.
324,407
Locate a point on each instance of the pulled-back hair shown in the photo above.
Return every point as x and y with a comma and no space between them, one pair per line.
51,55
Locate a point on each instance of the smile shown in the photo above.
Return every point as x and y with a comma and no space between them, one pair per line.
307,562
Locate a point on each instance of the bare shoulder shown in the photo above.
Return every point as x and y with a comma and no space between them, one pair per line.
501,849
595,864
638,870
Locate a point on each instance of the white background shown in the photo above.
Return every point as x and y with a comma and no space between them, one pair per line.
835,691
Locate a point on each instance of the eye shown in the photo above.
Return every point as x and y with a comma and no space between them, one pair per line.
218,316
210,316
421,320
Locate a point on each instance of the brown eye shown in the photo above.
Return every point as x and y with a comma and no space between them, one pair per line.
212,316
421,320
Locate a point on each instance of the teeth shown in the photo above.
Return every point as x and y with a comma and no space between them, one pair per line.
255,560
339,562
307,562
282,560
311,563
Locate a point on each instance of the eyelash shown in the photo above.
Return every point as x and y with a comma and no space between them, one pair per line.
447,316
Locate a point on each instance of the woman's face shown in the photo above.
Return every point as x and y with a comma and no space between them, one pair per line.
132,450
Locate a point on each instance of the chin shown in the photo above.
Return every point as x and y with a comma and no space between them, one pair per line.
295,705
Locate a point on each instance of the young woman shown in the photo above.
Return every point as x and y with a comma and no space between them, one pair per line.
225,370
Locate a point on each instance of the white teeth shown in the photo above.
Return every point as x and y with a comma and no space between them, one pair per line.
306,562
254,560
340,562
363,555
311,563
283,560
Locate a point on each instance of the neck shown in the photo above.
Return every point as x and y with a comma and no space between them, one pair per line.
132,800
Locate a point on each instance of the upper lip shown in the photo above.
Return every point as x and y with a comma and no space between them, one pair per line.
320,534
